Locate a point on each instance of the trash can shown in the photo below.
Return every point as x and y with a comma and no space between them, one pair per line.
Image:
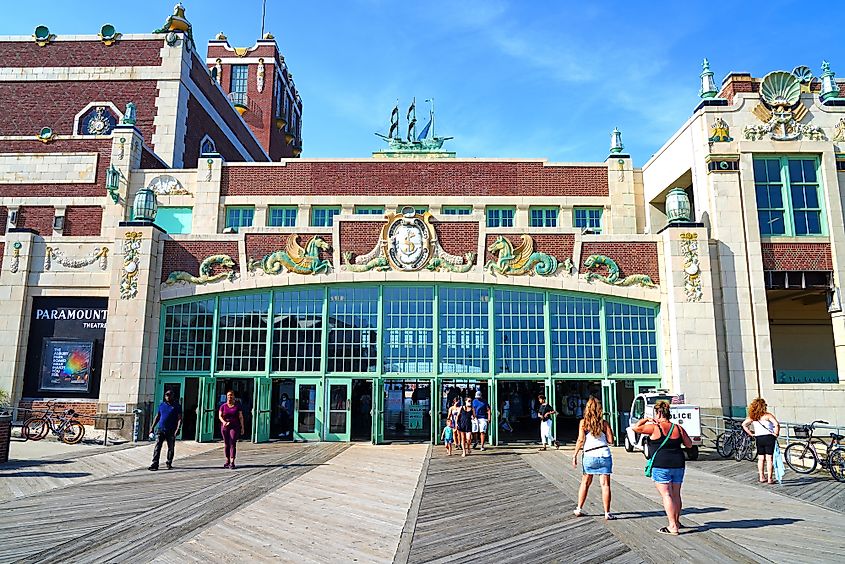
5,437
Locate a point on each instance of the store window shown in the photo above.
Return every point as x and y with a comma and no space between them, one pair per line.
464,330
407,409
789,200
353,323
456,210
242,333
297,330
520,341
631,339
281,216
408,334
543,217
576,334
587,218
323,216
239,216
188,337
500,217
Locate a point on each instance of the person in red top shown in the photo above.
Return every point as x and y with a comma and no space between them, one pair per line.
232,423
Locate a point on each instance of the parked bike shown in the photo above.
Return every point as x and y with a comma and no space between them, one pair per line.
803,457
66,427
734,441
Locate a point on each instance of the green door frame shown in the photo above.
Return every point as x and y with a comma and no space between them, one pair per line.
262,409
345,409
163,381
608,400
316,433
207,416
377,411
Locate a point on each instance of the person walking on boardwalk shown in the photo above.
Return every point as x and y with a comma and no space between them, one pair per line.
166,425
231,424
668,461
482,416
466,416
448,436
452,415
545,414
594,436
765,428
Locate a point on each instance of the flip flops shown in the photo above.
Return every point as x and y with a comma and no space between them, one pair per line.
666,531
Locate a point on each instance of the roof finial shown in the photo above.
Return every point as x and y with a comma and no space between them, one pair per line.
829,86
708,87
616,145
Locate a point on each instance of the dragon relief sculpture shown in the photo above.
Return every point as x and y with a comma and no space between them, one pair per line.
595,261
294,258
519,260
205,272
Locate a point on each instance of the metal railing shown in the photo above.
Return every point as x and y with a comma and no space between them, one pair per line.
111,422
714,425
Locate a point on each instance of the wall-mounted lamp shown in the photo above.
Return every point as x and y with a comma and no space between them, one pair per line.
113,183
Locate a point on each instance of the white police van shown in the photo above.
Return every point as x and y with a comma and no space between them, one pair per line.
689,416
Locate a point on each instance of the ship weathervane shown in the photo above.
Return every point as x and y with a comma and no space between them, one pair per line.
424,143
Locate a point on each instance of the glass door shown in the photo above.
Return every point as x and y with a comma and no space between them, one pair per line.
308,409
608,401
207,410
378,411
176,386
262,410
338,409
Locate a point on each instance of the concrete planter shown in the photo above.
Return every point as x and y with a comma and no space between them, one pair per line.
5,437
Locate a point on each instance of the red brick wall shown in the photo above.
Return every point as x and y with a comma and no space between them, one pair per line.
740,83
797,256
81,54
55,104
2,250
83,221
202,125
415,179
97,188
150,161
359,237
458,237
38,218
631,258
559,245
258,245
84,410
4,219
187,255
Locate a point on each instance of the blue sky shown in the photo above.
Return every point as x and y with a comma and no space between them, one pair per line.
519,79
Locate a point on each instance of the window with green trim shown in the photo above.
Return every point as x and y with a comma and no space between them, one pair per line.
464,330
789,200
631,339
500,217
242,333
297,330
520,341
576,334
369,210
239,216
323,216
188,337
419,210
281,216
353,322
543,216
587,218
456,210
408,328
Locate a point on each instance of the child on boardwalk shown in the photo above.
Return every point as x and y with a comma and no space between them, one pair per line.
448,436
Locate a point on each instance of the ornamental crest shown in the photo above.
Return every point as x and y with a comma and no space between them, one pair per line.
781,111
408,241
166,185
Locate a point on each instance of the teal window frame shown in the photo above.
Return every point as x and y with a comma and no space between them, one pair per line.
783,198
239,79
588,217
419,209
282,216
543,216
236,216
500,216
369,210
456,210
323,216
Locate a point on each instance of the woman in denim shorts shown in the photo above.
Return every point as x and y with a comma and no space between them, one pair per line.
667,471
594,435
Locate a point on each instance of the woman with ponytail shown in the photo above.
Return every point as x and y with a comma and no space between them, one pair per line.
594,436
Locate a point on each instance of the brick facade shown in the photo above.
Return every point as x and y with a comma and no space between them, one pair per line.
85,410
83,221
187,255
150,160
260,244
631,258
37,218
359,237
4,219
200,125
129,53
558,245
797,256
458,237
415,179
97,188
2,251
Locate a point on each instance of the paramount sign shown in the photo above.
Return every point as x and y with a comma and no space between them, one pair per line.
91,318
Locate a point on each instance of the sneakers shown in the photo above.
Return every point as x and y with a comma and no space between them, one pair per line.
609,516
169,466
577,512
153,467
227,465
482,448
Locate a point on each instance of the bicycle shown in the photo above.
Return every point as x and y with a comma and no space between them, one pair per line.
726,441
803,457
69,430
746,446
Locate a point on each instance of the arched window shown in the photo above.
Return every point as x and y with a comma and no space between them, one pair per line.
97,120
207,145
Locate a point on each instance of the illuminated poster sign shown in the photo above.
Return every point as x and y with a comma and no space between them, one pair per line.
66,365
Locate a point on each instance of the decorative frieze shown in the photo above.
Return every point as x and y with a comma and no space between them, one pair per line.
53,254
16,256
519,260
594,262
692,270
166,185
294,258
206,272
131,264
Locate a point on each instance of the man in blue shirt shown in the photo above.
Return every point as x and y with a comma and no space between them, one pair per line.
482,416
166,425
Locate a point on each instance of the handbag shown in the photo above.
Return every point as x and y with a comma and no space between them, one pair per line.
650,462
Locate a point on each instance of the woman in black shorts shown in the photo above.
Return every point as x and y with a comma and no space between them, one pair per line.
765,428
465,417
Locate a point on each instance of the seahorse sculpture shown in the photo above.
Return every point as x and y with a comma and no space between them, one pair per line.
519,260
595,261
378,262
294,258
205,272
450,263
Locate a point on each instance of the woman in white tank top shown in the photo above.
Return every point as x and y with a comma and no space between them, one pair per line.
765,428
594,436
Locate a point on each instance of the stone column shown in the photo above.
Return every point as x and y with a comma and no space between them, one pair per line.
127,145
130,351
207,207
14,315
620,183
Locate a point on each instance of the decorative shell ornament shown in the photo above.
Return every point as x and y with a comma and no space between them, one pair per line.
803,74
780,88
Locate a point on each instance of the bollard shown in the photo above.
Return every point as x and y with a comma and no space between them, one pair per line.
136,425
